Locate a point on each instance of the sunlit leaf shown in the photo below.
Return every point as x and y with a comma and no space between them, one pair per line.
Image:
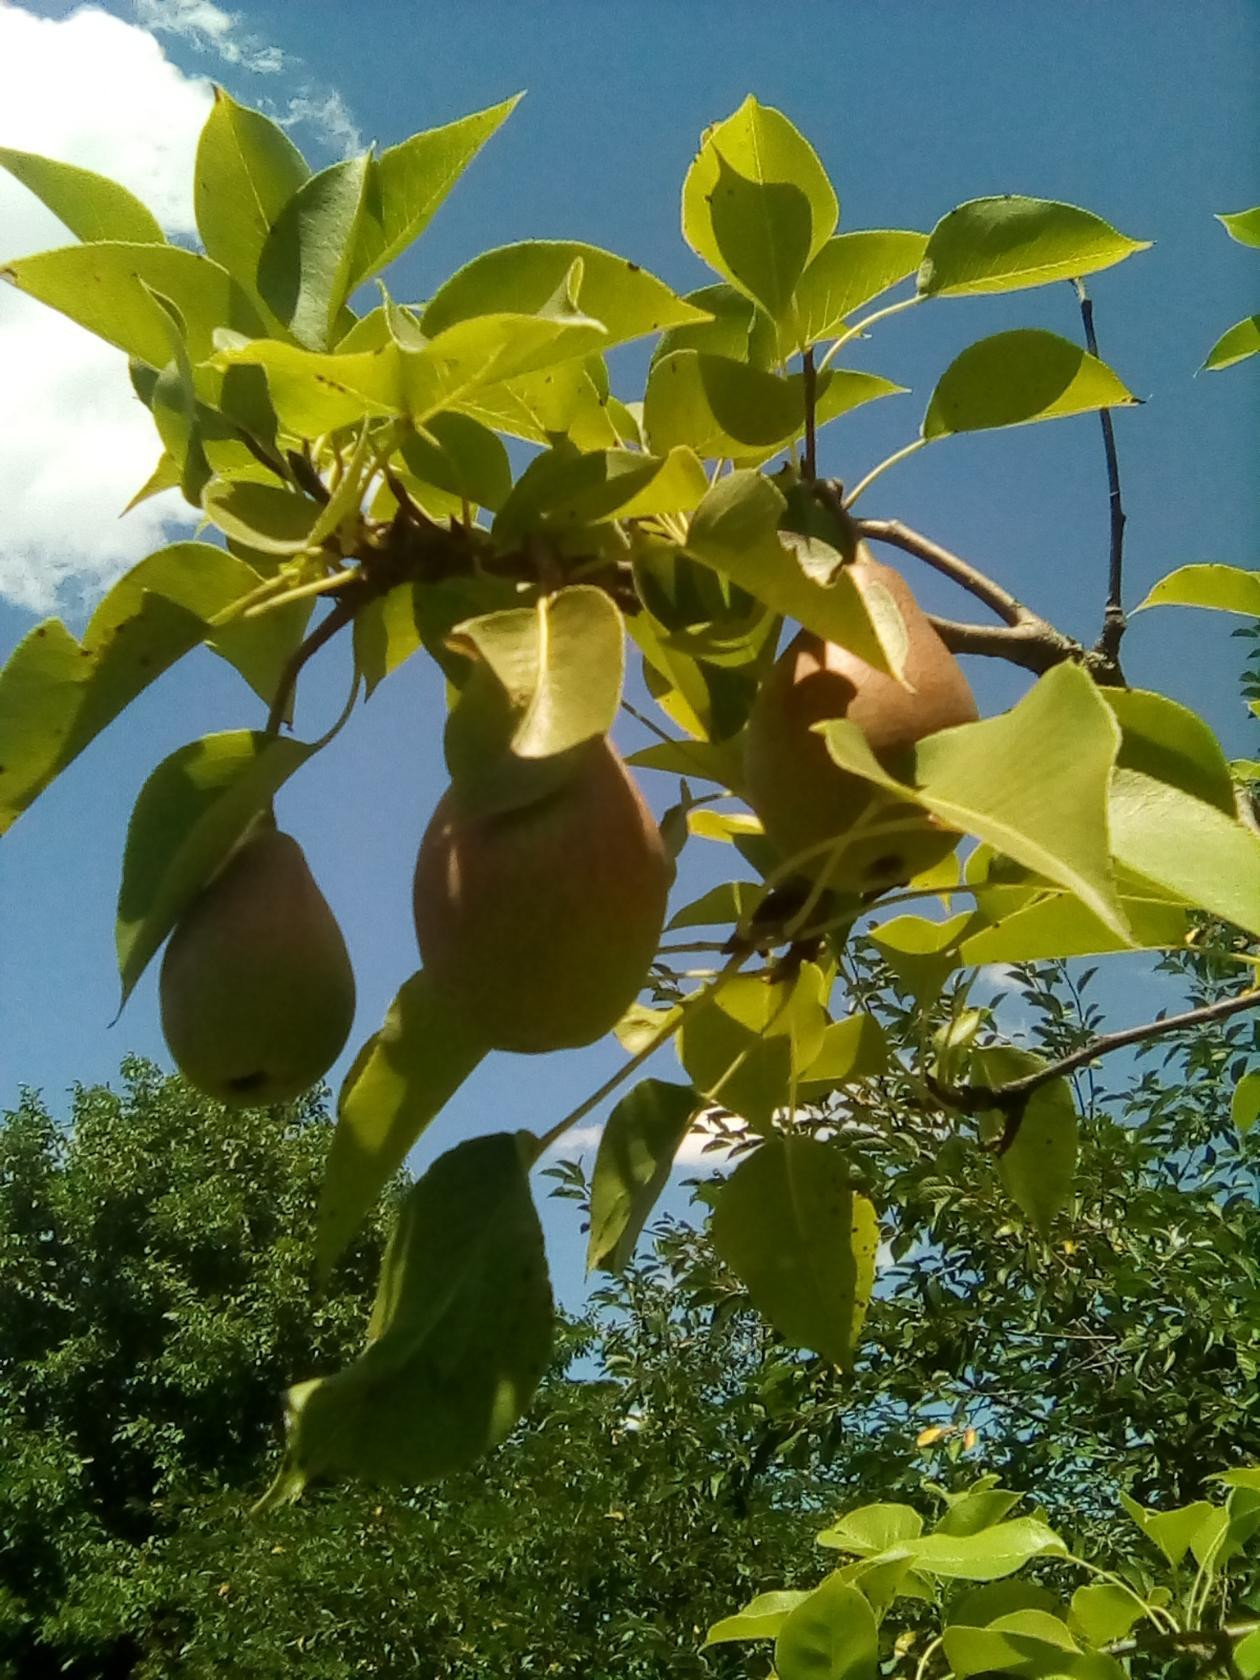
407,183
990,1554
401,1078
1187,847
1242,340
790,1225
1244,1109
460,1334
636,1154
1016,378
305,268
1039,1166
90,205
757,204
847,273
1225,588
624,298
1242,225
760,1619
1171,1531
1001,244
831,1636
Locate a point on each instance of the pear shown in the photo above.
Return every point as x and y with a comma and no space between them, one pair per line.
257,992
540,921
802,796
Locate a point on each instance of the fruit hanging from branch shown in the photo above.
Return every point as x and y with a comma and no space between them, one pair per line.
257,992
541,920
804,799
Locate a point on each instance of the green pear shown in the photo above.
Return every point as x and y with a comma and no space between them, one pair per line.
804,799
257,992
541,921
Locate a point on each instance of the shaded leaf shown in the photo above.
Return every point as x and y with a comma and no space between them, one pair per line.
1016,378
306,265
789,1224
1002,244
831,1636
636,1154
400,1080
1039,1166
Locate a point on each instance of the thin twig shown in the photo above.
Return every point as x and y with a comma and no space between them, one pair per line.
1012,1099
811,401
1035,647
1114,621
341,615
975,582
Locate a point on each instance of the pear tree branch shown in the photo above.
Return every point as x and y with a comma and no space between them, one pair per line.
1114,621
1012,1099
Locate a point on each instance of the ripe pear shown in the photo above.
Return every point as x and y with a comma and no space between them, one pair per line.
257,992
541,921
802,796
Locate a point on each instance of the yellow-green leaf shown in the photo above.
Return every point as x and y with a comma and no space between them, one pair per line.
1224,588
1002,244
92,206
1016,378
636,1154
847,273
1242,340
306,264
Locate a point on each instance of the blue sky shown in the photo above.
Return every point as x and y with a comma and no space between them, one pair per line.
1142,112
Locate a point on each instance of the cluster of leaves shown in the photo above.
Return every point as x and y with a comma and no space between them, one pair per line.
362,456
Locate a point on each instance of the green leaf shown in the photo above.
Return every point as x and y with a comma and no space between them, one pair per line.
626,300
191,812
1167,741
922,953
90,205
1032,783
1016,378
564,489
561,664
1038,1168
1247,1655
1186,847
989,1554
107,287
636,1154
761,1619
1171,1531
57,694
792,1228
247,170
407,183
724,408
1031,1644
978,1507
707,761
729,902
872,1529
831,1636
401,1079
979,1606
847,273
1003,244
1244,1109
737,329
460,1335
743,1044
757,204
306,265
1241,341
266,517
1243,225
457,454
1058,925
855,1048
1103,1612
735,530
1224,588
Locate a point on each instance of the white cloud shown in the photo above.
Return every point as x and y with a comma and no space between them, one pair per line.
329,115
210,29
93,90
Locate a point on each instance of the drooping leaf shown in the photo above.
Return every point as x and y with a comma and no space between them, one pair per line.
57,694
92,206
460,1334
830,1636
561,663
850,270
1016,378
625,299
1032,782
1039,1167
407,183
790,1225
400,1080
1058,925
872,1529
757,204
735,530
1187,847
1224,588
1244,1109
305,268
636,1153
1236,345
760,1619
102,286
247,170
743,1045
1172,1531
190,813
1002,244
